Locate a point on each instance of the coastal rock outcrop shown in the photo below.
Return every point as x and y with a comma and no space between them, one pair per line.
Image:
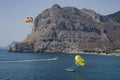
68,29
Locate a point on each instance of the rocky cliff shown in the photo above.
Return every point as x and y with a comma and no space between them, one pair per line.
68,29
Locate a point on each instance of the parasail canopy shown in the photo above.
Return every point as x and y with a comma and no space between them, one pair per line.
79,61
28,19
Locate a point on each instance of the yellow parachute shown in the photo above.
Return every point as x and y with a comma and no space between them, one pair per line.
79,61
28,19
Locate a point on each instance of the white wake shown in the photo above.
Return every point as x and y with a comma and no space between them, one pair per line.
33,60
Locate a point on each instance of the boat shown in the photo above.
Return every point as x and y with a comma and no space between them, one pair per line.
70,69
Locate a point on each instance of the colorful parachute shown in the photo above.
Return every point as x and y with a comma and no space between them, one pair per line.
28,19
79,61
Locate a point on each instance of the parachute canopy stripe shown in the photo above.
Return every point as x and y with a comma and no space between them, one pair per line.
79,64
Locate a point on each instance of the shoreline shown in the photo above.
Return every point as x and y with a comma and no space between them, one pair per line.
95,53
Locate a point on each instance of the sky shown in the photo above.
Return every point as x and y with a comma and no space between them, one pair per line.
13,13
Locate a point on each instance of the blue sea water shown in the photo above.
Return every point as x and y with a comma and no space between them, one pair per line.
45,66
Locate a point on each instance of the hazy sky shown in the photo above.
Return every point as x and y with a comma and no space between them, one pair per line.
13,12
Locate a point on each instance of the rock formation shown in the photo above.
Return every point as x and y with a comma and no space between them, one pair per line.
68,29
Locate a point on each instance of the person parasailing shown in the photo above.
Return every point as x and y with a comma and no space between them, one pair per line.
28,20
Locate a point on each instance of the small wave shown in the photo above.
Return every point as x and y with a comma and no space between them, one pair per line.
50,59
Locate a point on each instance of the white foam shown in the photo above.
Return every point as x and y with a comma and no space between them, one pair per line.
49,59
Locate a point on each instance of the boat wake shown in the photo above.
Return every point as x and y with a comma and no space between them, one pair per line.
33,60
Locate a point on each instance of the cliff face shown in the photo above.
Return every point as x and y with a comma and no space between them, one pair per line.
69,29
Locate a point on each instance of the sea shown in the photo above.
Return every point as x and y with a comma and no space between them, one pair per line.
51,66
